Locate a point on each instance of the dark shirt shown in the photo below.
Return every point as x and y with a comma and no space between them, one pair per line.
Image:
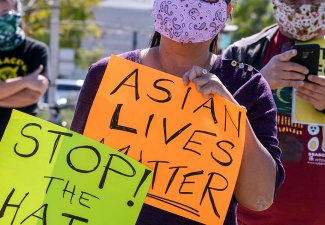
20,62
248,88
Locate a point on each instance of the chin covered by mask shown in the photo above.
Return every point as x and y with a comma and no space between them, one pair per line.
304,22
189,21
11,34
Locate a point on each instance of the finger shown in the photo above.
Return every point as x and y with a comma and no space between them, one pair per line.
203,80
38,71
193,73
290,83
286,56
185,78
290,75
210,89
291,66
316,79
313,88
319,105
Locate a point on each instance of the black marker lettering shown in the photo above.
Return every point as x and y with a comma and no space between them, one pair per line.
86,199
155,170
41,218
7,204
186,96
219,144
169,94
209,189
71,192
72,166
30,137
173,176
108,167
177,133
50,182
73,217
195,142
232,121
189,182
211,107
135,85
115,124
57,141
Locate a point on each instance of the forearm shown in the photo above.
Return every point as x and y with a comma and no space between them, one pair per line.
11,86
23,98
257,176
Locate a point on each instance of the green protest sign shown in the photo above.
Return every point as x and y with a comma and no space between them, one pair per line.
52,176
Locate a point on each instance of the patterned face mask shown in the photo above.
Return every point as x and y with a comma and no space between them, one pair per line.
11,34
304,22
189,21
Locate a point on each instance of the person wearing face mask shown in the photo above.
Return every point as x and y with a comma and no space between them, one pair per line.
300,200
184,44
23,65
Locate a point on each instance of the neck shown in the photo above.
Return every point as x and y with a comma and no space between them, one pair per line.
178,58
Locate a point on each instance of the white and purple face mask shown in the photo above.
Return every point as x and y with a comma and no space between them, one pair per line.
189,21
304,22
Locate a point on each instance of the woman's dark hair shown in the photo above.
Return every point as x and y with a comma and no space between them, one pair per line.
155,40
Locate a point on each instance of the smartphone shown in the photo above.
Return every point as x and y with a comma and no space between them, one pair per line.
308,56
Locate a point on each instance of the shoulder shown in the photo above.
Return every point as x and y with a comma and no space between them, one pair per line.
35,44
266,34
100,66
246,83
97,70
239,48
238,72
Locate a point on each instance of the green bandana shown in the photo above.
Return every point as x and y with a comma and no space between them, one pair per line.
11,34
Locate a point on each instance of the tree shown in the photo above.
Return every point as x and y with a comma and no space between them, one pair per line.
251,16
75,24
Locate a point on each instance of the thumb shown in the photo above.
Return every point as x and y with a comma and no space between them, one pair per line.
286,56
38,71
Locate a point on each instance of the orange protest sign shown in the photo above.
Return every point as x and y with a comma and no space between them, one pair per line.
193,144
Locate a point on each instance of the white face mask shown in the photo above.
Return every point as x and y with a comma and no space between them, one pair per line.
304,22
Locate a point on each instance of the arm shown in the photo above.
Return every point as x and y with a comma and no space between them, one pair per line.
11,86
255,185
33,81
257,177
20,99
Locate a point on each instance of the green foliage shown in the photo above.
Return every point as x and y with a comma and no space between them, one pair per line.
85,57
75,22
251,16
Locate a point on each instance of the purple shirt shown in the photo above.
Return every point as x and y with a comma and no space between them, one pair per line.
247,86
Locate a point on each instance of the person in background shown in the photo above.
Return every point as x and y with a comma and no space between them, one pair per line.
300,201
188,53
23,65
